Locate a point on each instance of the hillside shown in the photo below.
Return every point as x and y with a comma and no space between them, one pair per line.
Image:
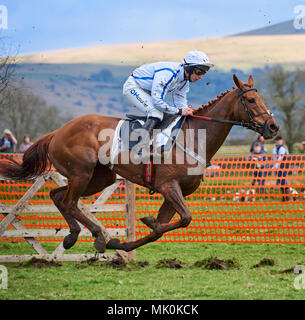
80,89
239,52
97,88
285,27
77,88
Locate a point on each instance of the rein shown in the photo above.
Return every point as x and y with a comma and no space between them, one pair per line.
249,125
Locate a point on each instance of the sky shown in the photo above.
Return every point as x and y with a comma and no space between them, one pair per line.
41,25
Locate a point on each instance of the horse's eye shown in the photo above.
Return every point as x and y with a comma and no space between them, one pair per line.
251,100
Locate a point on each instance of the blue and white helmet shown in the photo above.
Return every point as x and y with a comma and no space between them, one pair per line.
198,59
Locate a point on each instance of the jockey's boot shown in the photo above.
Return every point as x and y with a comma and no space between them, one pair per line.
149,126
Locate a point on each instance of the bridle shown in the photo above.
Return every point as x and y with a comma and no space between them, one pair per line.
254,125
251,124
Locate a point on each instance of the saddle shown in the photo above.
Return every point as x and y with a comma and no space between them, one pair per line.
169,127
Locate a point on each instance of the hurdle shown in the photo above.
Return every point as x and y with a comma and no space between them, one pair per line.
11,214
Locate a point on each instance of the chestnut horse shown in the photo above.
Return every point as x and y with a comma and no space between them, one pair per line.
73,151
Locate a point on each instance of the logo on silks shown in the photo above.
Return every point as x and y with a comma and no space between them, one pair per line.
136,94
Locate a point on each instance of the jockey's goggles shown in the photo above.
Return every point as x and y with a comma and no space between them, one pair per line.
201,70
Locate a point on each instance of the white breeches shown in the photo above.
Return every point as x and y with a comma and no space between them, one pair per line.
140,99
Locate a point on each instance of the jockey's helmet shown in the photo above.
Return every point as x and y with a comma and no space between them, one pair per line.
196,60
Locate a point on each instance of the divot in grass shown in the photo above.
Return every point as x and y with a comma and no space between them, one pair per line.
169,263
264,262
213,263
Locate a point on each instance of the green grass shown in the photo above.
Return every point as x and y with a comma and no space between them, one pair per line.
76,280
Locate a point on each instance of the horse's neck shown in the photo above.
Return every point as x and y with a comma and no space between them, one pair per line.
216,132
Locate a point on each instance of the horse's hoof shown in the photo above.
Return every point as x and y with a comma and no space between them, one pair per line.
113,244
149,221
100,244
69,240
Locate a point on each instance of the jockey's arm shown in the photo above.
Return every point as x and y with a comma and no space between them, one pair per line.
159,90
180,99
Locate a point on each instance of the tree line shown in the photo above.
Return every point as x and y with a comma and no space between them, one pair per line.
285,95
27,114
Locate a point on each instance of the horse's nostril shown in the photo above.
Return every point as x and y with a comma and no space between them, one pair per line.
273,127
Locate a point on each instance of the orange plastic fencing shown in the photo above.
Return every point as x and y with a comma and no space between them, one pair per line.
242,199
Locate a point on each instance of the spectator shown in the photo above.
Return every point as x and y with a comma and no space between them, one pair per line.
213,172
280,150
258,148
260,139
25,144
7,142
256,156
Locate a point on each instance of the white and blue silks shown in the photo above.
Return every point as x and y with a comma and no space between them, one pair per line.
149,84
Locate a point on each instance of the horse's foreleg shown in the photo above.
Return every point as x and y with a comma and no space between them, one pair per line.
173,195
173,198
166,212
174,201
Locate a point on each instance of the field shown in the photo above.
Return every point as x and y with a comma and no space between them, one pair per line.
149,279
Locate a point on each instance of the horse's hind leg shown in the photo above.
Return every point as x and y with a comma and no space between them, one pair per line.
57,196
76,188
66,199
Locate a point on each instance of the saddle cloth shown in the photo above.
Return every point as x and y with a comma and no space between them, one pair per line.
168,130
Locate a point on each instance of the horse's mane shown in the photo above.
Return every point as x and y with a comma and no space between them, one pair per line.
213,101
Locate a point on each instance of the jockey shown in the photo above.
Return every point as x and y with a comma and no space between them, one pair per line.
149,84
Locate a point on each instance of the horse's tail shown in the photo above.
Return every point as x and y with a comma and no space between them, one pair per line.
35,161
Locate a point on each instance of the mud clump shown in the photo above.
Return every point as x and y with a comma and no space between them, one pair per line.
136,265
264,262
142,264
169,263
40,263
214,263
117,263
289,270
91,260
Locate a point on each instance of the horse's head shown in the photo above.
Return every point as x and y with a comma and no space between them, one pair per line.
252,110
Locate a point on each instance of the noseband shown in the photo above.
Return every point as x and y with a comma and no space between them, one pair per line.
251,124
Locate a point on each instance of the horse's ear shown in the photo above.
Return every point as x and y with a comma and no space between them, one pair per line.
237,81
251,81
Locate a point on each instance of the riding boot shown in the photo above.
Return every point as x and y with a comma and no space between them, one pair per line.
149,126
